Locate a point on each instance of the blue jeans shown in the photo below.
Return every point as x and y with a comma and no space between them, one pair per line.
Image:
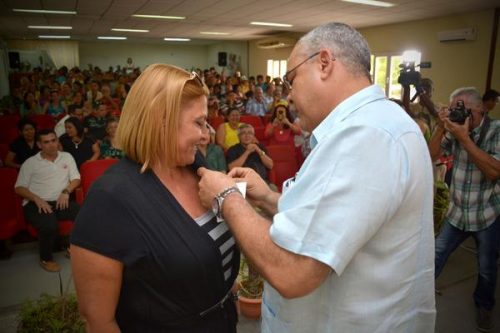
487,244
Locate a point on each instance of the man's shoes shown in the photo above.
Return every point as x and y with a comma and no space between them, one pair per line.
483,320
50,266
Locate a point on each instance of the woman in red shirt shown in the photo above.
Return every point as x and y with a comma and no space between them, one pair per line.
281,128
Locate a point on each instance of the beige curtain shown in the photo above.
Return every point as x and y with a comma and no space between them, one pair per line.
63,53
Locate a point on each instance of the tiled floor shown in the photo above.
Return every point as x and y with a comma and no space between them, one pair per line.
22,278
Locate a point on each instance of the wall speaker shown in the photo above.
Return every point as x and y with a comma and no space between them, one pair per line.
222,59
14,60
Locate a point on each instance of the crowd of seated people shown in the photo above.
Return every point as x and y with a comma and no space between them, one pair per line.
83,108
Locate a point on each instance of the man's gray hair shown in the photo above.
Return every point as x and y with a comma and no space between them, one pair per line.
243,126
474,96
345,42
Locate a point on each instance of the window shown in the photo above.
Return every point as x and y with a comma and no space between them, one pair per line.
276,68
385,72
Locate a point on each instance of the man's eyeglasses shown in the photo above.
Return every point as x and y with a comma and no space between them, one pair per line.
288,82
195,76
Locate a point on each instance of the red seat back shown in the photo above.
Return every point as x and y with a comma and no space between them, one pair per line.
8,125
284,163
43,121
4,149
10,204
91,170
255,121
216,121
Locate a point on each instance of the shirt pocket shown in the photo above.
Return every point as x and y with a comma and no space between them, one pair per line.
271,322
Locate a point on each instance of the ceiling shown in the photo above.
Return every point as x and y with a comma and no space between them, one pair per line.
97,17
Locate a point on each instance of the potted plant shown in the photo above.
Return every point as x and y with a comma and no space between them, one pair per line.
54,314
251,286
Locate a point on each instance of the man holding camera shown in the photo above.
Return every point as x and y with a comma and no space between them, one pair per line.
425,109
474,139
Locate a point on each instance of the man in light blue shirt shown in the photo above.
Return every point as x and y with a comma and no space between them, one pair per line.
257,106
351,244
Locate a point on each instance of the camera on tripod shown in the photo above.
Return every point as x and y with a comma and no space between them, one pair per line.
459,113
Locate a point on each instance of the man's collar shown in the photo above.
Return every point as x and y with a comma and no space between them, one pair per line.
345,109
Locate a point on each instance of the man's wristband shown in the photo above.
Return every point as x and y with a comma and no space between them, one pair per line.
65,191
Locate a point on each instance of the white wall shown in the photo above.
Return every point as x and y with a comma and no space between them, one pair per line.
113,53
239,49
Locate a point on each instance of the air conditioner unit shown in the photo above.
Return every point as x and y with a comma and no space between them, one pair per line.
275,43
457,35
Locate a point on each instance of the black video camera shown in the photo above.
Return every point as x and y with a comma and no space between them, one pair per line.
409,76
459,113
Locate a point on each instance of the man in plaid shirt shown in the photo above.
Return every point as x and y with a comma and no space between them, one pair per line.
474,194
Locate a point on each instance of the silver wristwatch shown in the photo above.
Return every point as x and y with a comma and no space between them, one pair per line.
219,199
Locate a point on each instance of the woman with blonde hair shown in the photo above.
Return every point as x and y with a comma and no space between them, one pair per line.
146,255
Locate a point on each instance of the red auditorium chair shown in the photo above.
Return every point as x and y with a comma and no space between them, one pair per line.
284,164
89,172
4,149
43,121
216,121
8,125
255,121
10,204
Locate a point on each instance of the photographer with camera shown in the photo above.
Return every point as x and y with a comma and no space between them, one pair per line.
473,138
425,110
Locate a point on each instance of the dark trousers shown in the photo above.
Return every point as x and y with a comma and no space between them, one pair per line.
47,224
487,243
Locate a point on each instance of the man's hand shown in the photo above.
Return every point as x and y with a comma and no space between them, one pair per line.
43,206
459,131
62,201
252,147
211,184
257,189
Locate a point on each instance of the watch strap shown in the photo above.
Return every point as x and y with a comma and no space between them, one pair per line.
220,199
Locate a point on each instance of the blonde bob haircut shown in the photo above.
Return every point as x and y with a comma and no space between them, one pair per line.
148,128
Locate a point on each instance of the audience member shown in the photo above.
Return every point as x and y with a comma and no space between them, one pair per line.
77,99
106,99
329,265
227,133
474,208
24,146
277,99
75,142
425,108
73,111
30,106
44,97
109,146
55,107
66,94
45,182
95,124
269,95
94,94
231,102
281,128
248,153
257,105
213,154
142,236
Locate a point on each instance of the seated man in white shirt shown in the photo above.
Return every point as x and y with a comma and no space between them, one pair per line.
45,182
